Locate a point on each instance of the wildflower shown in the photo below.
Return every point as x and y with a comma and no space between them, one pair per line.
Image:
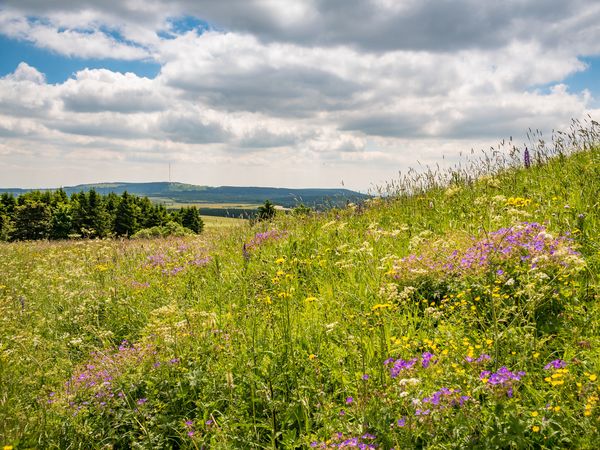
556,364
526,158
401,422
501,379
593,377
349,400
365,377
401,365
141,401
426,359
535,429
312,356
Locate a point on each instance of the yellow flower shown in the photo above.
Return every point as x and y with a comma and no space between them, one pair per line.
312,356
310,299
7,447
556,408
536,355
279,260
534,414
535,429
593,377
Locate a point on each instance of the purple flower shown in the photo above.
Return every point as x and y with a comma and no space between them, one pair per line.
401,365
556,364
502,378
141,401
401,422
349,400
365,377
191,433
342,412
426,359
526,158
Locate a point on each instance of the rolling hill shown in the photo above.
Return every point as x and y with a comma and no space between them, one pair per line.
177,193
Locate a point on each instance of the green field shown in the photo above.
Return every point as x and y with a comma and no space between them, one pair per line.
221,222
460,311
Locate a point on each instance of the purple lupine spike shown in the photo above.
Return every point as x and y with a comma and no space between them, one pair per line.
526,158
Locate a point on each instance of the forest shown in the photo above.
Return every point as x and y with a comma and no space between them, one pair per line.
56,215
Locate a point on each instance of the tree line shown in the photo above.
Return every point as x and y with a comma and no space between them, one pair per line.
54,215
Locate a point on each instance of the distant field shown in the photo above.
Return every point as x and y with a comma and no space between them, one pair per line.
221,222
171,204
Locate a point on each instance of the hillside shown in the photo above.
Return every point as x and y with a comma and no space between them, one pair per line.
461,312
188,193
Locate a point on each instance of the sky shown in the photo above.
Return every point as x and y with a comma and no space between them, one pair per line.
290,93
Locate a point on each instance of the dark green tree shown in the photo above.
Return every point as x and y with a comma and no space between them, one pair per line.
5,223
126,222
62,221
190,219
32,220
266,211
301,210
97,220
9,203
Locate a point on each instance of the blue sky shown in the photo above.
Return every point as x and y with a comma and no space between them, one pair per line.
58,68
302,93
587,79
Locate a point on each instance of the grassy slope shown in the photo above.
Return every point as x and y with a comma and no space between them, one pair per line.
271,349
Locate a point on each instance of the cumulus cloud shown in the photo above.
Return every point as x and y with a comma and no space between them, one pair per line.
353,87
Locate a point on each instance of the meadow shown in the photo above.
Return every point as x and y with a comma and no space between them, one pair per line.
461,310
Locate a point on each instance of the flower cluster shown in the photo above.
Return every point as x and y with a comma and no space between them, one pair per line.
556,364
441,399
482,358
363,442
558,369
527,243
93,384
502,380
261,238
397,366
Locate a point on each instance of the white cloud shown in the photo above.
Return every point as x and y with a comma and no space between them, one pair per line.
344,89
85,42
24,72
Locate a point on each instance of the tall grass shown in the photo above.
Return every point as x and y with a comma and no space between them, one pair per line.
458,310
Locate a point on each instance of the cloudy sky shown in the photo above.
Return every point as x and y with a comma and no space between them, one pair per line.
298,93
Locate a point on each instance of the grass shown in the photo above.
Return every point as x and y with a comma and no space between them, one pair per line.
460,312
221,222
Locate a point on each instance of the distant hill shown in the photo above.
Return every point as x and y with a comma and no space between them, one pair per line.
168,193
